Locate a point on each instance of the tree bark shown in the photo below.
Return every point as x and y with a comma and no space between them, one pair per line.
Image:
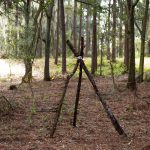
27,60
126,46
17,31
57,42
39,48
143,36
63,36
87,31
80,27
114,33
94,43
131,77
108,33
148,45
101,54
75,25
30,45
120,28
48,39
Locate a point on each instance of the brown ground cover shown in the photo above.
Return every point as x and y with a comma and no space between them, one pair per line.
28,126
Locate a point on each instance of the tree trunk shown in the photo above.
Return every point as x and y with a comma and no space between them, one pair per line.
101,54
87,31
120,40
143,35
29,45
48,39
63,36
114,33
120,28
126,46
27,60
75,25
131,77
80,28
94,43
57,42
39,40
17,31
148,45
108,33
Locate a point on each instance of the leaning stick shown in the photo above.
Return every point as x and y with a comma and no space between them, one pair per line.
78,86
106,107
62,99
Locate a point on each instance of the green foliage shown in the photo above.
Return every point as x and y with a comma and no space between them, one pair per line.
33,110
119,67
47,3
129,109
15,42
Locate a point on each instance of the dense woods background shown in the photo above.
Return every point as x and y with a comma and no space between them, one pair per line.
113,38
111,29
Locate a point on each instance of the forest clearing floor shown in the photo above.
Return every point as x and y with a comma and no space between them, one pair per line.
28,126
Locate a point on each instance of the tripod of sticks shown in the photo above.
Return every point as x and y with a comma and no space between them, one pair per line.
82,66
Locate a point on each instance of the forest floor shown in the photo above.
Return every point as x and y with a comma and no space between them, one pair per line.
28,126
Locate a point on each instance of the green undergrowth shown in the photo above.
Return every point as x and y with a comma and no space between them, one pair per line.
55,70
104,70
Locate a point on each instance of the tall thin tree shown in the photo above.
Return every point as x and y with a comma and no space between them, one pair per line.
87,30
57,42
80,26
120,2
63,36
131,14
108,30
17,31
75,25
126,38
27,60
114,32
94,42
143,36
47,46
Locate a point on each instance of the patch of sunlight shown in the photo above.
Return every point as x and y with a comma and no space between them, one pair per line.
8,68
146,62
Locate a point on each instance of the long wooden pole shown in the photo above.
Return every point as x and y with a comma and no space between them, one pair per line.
62,99
106,107
79,85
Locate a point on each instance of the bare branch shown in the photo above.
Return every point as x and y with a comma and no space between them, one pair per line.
138,27
135,3
84,2
38,12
